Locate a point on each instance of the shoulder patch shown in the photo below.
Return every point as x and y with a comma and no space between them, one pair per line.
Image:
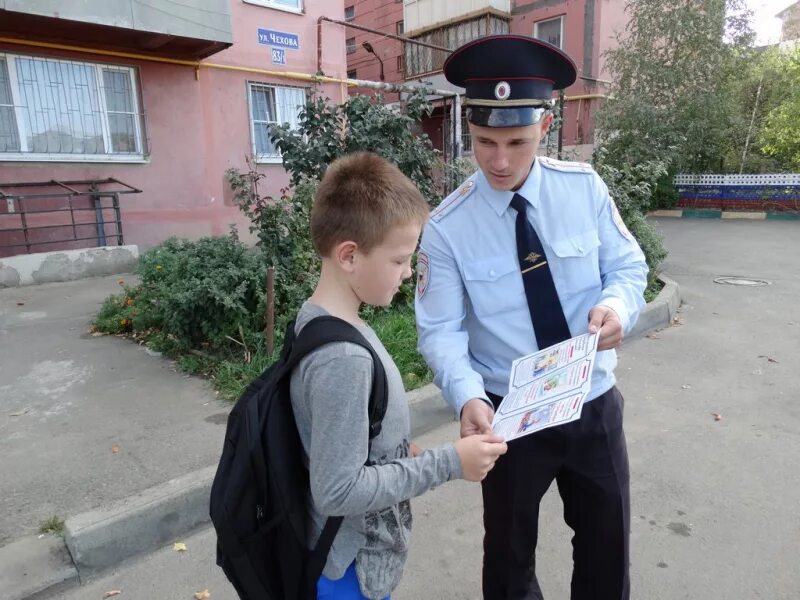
453,200
619,222
565,166
423,272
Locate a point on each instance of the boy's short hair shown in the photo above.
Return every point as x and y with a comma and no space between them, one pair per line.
361,197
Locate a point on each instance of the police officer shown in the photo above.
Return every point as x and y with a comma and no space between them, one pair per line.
528,252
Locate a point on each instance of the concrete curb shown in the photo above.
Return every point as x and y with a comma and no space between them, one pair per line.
164,513
155,517
66,265
704,213
659,312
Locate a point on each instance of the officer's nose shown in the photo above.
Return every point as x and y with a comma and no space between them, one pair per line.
499,161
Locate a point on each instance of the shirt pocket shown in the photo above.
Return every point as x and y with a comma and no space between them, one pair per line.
494,284
577,265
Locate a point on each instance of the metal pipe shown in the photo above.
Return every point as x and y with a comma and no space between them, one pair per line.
271,73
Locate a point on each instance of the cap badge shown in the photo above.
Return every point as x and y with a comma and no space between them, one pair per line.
502,90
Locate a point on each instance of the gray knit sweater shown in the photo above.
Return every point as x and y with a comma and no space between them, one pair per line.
330,393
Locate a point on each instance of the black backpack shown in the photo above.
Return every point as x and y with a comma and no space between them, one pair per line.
261,489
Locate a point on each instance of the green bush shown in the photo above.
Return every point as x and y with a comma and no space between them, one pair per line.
631,186
193,294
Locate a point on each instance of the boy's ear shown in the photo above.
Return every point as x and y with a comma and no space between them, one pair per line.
345,254
547,121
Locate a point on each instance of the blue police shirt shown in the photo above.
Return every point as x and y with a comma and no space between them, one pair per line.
472,313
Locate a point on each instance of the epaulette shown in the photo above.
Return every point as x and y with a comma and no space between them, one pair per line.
565,166
454,200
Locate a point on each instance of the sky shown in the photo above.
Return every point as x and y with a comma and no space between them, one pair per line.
765,24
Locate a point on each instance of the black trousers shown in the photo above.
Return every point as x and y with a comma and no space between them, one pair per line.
588,460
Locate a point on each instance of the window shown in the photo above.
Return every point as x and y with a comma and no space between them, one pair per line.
352,74
400,64
292,5
272,105
400,27
51,109
349,13
350,44
551,31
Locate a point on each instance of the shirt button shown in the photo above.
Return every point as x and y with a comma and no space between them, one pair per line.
580,248
491,273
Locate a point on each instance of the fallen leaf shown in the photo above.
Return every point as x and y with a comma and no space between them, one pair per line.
717,416
677,321
112,593
686,387
115,449
204,595
20,304
769,358
19,413
179,547
653,336
97,333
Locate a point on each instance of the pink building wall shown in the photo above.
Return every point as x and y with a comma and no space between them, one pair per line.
198,128
382,15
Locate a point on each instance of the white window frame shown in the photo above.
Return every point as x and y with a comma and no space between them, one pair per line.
560,34
264,158
270,4
353,17
25,156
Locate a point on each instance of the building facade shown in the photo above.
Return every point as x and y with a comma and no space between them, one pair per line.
160,95
790,22
584,29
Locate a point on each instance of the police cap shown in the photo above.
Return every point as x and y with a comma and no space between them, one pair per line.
509,79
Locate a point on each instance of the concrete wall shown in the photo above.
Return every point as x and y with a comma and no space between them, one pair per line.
198,128
49,267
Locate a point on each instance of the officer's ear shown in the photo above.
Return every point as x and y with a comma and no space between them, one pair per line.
546,122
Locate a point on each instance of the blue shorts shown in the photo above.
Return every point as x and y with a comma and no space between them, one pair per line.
345,588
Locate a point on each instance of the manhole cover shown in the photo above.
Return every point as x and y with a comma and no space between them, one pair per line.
744,281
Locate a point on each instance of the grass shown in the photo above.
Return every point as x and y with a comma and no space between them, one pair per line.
53,526
398,332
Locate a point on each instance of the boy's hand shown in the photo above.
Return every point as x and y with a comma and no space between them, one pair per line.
476,418
478,454
414,450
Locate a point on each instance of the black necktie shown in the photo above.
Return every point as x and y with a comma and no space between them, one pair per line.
547,316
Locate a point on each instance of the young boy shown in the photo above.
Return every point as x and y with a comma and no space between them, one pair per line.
365,224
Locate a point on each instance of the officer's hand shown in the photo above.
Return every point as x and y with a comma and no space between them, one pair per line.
476,417
606,321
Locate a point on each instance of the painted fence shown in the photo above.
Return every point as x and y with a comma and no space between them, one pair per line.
769,192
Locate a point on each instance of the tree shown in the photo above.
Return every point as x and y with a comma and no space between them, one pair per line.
780,137
327,131
670,69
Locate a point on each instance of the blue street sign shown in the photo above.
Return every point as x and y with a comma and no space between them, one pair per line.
280,39
278,56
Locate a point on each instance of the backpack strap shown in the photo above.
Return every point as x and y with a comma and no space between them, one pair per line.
328,329
315,334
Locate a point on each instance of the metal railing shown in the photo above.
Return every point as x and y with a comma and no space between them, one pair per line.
60,215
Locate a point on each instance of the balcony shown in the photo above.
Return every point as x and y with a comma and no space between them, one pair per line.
192,29
421,61
420,15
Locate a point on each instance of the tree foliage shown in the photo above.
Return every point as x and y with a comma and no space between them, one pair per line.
671,72
780,137
327,131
